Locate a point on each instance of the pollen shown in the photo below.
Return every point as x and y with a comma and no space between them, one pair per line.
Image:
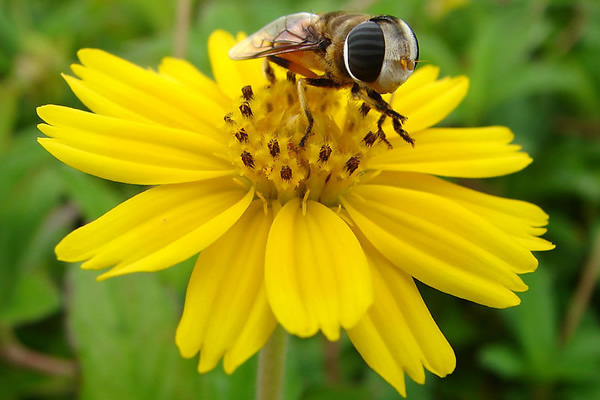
267,125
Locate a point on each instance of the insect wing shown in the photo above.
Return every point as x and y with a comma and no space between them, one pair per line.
287,34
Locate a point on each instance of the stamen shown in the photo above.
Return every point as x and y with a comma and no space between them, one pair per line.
291,77
247,159
324,153
246,110
265,202
267,134
304,201
228,118
369,139
291,148
352,164
238,181
286,173
268,71
247,93
241,135
273,146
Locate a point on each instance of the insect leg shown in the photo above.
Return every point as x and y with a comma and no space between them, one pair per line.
292,66
374,100
305,109
319,82
380,132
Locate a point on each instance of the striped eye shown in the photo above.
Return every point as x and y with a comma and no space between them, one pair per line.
364,51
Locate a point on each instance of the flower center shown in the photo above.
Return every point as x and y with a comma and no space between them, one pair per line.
269,124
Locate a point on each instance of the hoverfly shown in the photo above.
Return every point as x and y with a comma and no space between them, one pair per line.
371,54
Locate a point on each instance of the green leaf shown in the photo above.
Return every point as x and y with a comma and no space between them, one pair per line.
94,196
31,226
34,297
21,383
8,114
534,323
580,358
503,360
339,392
540,78
124,333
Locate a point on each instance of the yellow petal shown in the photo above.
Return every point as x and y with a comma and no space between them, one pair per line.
101,105
188,76
430,103
120,170
517,218
398,333
422,76
254,335
157,228
226,311
438,356
372,347
316,272
103,88
457,152
130,152
232,75
145,91
440,243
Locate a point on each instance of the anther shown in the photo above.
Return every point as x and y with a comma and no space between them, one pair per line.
248,160
241,135
324,153
247,93
369,139
291,77
228,118
268,71
273,146
364,109
246,110
352,164
286,173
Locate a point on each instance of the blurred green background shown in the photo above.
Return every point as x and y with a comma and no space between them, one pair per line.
534,66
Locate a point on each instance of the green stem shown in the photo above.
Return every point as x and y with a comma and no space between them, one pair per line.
182,27
271,367
13,352
585,290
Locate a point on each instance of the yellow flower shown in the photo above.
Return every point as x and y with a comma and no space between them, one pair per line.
314,238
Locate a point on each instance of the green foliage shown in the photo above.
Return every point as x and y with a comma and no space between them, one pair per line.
533,66
126,352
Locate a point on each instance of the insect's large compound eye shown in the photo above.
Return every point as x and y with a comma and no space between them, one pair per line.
364,51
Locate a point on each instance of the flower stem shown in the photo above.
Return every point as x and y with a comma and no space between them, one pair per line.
15,353
182,27
271,367
584,291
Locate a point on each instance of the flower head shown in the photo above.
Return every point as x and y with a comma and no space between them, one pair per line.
322,237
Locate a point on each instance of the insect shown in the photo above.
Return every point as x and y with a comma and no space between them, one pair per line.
370,54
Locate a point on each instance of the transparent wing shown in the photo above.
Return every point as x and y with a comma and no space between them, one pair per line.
287,34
